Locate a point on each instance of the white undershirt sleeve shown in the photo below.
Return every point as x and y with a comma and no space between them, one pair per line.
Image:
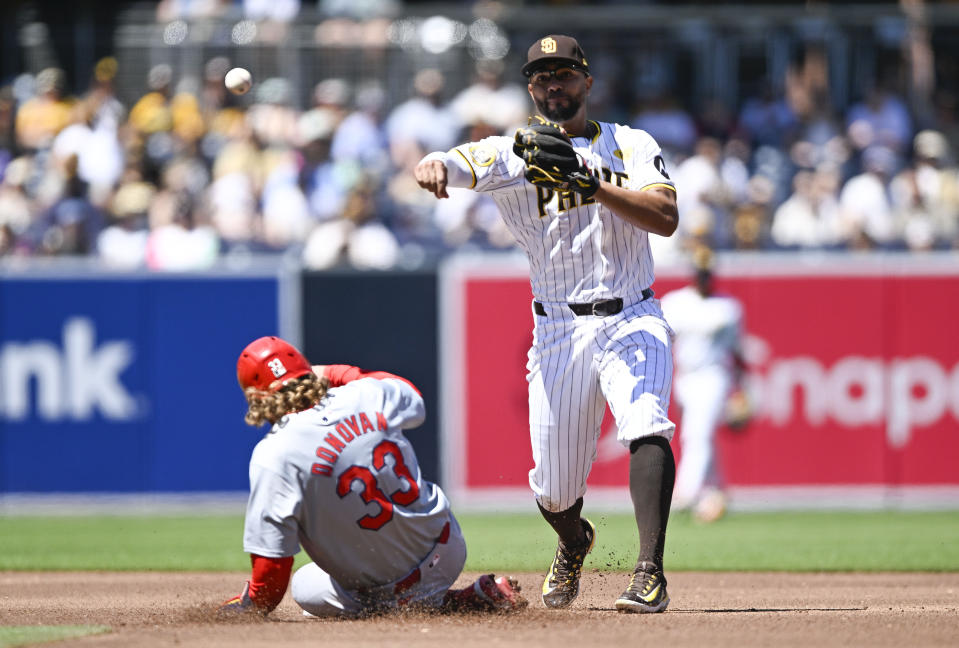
458,171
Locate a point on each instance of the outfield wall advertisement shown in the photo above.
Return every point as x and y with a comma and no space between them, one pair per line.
122,384
853,371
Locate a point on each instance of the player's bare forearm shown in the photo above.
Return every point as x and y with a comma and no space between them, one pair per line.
653,210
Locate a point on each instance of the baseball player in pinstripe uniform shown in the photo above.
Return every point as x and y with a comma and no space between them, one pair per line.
583,218
336,475
710,365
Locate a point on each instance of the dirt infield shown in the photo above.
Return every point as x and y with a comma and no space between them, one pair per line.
707,609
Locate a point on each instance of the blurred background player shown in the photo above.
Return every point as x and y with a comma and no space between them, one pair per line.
708,371
336,475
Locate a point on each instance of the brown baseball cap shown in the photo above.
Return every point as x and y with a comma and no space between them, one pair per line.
555,47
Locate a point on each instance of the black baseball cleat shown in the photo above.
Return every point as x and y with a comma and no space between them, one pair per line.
646,592
561,586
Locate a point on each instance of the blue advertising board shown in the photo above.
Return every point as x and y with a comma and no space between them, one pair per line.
125,384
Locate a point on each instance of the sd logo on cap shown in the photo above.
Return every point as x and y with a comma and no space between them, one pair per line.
555,47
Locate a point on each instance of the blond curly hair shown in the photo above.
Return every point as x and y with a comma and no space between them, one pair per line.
297,395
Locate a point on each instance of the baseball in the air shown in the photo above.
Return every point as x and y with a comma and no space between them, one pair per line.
238,80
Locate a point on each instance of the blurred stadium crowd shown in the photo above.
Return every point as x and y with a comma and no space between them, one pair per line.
189,174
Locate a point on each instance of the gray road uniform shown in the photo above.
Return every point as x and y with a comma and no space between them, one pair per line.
342,481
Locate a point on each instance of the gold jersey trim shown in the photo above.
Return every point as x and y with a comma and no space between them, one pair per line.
659,184
599,131
472,172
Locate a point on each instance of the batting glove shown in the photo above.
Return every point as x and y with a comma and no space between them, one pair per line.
241,604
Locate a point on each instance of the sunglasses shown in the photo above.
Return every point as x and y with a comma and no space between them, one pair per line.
563,75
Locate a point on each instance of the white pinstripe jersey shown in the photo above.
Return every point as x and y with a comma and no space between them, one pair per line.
579,251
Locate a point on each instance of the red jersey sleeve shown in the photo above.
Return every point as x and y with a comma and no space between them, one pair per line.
269,580
339,375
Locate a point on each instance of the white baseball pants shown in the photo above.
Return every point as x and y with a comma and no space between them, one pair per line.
318,593
578,364
702,395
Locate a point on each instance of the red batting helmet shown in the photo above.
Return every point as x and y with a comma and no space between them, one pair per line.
269,363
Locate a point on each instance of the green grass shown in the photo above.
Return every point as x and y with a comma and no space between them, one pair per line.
869,541
11,636
122,543
873,541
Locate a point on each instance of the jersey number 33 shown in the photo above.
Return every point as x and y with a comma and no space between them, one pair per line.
371,491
